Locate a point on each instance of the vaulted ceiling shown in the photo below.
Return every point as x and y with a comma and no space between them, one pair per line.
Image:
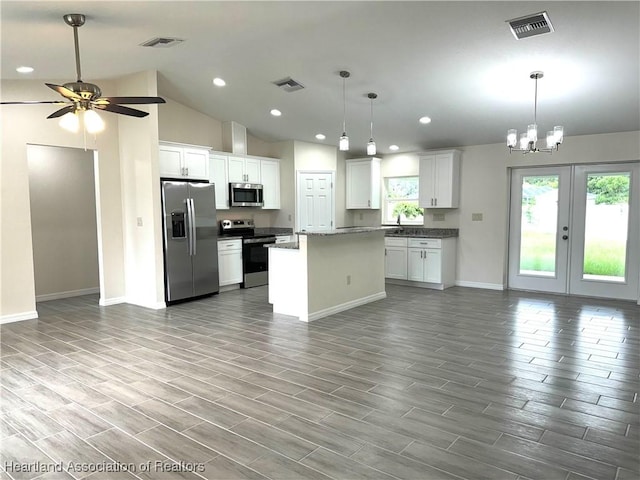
456,62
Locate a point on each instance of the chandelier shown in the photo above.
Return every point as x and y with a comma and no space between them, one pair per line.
527,141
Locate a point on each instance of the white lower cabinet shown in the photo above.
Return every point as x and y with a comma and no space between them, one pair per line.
422,262
395,258
230,261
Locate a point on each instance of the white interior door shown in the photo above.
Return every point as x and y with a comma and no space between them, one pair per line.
576,230
315,201
538,225
605,245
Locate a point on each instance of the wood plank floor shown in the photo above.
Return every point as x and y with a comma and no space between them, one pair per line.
464,383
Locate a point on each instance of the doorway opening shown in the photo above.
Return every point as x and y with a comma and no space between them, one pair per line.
63,221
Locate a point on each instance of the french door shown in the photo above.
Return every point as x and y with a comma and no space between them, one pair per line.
576,230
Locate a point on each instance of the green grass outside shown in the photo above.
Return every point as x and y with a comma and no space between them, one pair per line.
602,257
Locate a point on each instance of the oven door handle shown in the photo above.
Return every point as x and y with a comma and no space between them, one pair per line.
253,241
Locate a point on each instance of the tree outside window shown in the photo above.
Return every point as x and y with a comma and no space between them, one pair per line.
401,198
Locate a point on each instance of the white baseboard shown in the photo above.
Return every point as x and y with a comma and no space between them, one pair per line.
153,306
67,294
111,301
228,288
345,306
18,317
487,286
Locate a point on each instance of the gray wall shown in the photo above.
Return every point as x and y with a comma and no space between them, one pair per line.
63,221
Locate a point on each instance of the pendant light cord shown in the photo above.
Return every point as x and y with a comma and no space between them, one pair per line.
371,117
535,103
344,104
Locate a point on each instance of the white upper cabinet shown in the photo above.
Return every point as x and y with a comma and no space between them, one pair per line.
218,175
270,173
244,169
440,179
363,183
183,161
228,168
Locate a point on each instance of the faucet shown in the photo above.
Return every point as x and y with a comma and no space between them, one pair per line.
398,221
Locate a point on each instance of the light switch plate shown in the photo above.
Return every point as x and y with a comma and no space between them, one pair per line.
139,221
476,217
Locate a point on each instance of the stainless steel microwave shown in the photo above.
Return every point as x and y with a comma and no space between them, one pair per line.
245,195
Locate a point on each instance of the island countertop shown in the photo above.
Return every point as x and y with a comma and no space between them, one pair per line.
344,231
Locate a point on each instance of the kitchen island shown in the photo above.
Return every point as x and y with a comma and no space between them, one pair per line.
327,272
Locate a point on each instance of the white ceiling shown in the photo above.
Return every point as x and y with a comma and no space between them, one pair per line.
456,62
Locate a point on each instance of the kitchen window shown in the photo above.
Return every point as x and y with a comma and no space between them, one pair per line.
401,198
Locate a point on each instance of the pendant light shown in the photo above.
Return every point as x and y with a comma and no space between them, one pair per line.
343,144
371,146
527,141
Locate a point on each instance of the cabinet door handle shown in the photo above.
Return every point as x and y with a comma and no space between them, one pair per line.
385,252
432,202
187,169
436,202
368,203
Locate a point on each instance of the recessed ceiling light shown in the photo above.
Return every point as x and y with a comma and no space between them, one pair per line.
394,147
275,112
425,120
218,82
321,136
24,69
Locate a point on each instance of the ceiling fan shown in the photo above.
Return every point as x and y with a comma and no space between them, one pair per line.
84,97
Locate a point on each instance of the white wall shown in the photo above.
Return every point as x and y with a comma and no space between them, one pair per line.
142,213
27,124
63,221
484,189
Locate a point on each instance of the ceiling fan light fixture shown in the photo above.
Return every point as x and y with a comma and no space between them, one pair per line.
93,123
70,122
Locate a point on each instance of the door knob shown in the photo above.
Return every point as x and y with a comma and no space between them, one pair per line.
565,237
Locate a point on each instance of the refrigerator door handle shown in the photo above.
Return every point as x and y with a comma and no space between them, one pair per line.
193,227
189,223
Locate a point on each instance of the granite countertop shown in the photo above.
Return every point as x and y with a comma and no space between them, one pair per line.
274,231
422,232
344,231
286,245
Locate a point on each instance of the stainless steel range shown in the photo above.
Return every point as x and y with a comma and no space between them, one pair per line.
255,258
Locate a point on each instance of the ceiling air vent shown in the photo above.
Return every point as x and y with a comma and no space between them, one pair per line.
288,85
531,25
162,42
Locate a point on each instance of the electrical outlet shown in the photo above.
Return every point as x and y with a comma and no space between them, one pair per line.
476,217
289,217
139,221
361,216
348,279
438,217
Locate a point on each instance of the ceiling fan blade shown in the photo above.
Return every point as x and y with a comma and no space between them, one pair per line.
132,112
56,102
65,92
129,100
58,113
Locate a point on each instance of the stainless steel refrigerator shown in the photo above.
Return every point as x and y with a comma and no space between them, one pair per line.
190,239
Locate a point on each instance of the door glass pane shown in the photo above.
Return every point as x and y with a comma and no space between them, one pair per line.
606,226
538,226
